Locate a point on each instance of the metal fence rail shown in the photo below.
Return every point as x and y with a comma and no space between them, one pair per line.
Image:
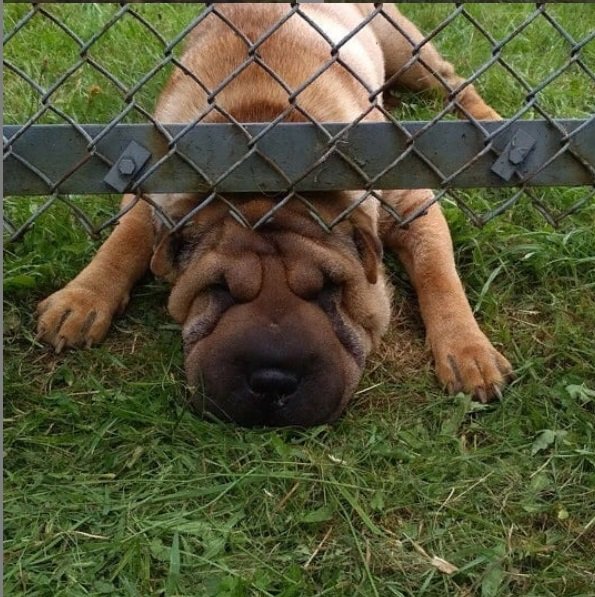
69,157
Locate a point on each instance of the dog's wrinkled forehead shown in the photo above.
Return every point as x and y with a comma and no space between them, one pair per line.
241,257
289,254
293,237
293,242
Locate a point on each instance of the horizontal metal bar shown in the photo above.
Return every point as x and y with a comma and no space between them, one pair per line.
303,2
371,148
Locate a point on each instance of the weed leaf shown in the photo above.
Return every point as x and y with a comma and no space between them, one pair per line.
543,441
174,565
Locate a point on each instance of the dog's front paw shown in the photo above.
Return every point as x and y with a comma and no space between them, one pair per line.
74,316
469,363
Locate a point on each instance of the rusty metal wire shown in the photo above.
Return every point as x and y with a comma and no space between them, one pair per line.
48,106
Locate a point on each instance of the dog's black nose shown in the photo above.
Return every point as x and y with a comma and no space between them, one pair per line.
273,383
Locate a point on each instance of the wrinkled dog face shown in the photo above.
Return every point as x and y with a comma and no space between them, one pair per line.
277,323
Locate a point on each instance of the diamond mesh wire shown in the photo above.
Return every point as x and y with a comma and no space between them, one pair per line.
67,64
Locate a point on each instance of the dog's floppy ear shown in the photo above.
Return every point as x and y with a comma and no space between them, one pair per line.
368,246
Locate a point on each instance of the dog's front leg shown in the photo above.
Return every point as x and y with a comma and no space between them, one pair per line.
464,357
81,313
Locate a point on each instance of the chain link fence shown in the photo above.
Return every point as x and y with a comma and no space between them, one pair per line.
68,65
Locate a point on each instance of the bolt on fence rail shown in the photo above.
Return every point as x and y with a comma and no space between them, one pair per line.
49,152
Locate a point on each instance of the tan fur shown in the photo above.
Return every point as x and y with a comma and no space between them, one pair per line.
283,268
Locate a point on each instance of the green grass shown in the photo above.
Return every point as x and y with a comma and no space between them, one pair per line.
112,486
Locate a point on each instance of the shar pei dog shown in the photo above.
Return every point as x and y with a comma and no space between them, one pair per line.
277,322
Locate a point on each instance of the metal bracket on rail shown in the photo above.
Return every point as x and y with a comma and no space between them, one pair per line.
127,167
514,157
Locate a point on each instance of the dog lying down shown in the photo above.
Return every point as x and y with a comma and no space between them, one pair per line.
278,322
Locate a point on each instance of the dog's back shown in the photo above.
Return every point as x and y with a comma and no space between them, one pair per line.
241,62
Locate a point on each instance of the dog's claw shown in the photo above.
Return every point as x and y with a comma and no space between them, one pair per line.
454,388
481,395
60,345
